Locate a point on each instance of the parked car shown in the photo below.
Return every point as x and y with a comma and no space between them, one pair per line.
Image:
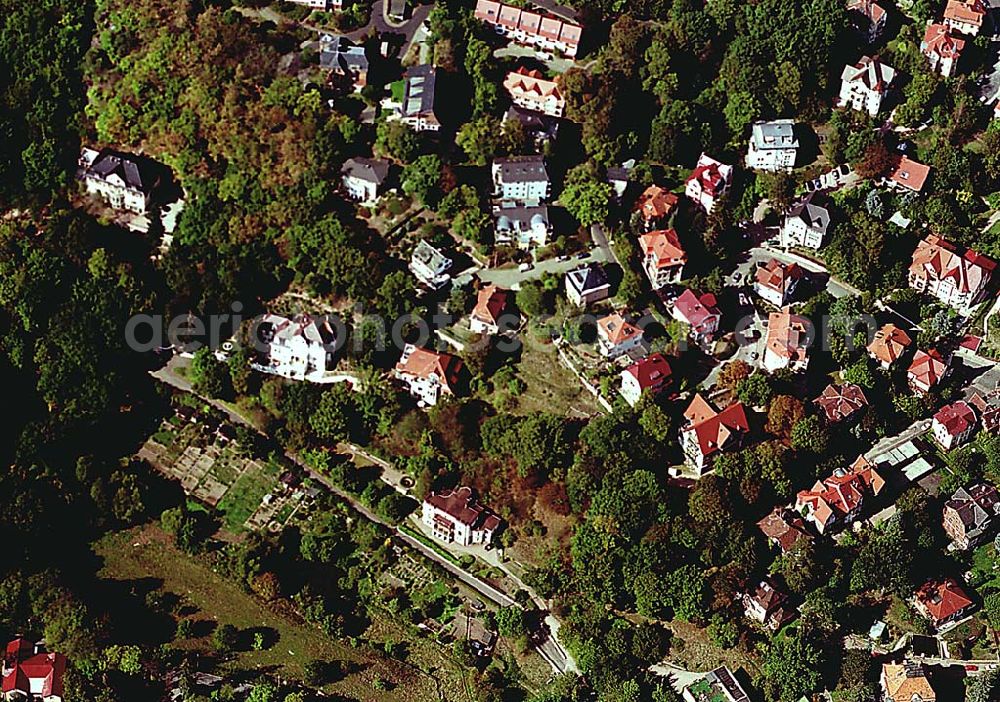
583,254
525,267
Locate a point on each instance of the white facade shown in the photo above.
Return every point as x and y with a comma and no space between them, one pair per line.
301,349
805,225
865,84
430,266
773,146
522,179
360,189
456,517
709,182
115,179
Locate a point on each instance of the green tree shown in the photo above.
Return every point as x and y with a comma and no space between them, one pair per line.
587,201
422,179
397,141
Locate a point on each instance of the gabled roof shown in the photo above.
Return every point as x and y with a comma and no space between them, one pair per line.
975,506
656,203
937,259
492,302
943,598
785,527
788,335
766,596
779,276
966,11
813,216
909,174
587,278
869,72
665,247
938,40
371,170
890,342
714,429
616,330
651,372
839,402
928,368
109,163
531,83
871,11
424,363
340,53
460,504
956,418
841,493
694,309
711,175
907,682
521,169
38,674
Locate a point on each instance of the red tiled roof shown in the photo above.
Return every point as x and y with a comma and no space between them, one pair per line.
967,11
424,363
525,81
841,493
839,402
788,335
28,674
937,259
943,598
928,368
910,174
938,40
778,276
956,418
889,344
492,302
871,10
785,527
616,330
665,247
708,174
696,310
651,372
460,504
713,429
656,203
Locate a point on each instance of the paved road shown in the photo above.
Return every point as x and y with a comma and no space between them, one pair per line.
891,442
380,23
511,277
765,252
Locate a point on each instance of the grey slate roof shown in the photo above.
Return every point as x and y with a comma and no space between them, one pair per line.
779,134
418,99
522,169
587,278
372,170
524,217
341,54
108,164
534,122
814,216
975,507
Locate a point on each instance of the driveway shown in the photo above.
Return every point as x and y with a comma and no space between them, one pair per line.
511,278
380,23
765,252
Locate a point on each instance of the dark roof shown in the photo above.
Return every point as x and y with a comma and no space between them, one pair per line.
109,163
418,98
534,122
373,170
340,53
522,169
586,278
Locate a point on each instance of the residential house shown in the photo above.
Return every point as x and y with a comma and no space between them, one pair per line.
663,257
927,370
789,337
784,528
907,174
616,336
541,128
455,516
868,17
525,227
343,57
32,675
707,432
773,146
619,177
720,685
806,225
969,515
906,682
889,345
767,605
838,500
700,312
956,276
528,27
943,602
119,179
587,285
430,266
953,424
531,90
841,402
708,182
300,348
363,178
965,16
419,91
942,48
775,282
428,375
521,179
651,374
865,84
492,304
988,407
655,206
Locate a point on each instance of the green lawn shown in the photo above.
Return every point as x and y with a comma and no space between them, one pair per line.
244,497
551,386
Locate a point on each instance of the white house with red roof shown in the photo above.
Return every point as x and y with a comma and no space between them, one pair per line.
616,336
965,16
863,85
789,337
525,26
454,516
428,375
301,349
942,48
889,345
838,500
663,257
700,312
954,424
775,282
708,432
32,675
943,602
907,174
708,182
533,91
491,304
927,370
956,276
841,402
655,206
868,17
651,374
